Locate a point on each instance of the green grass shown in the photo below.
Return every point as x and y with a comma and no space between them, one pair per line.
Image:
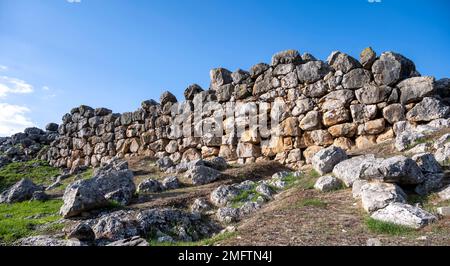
17,221
38,171
417,142
386,228
204,242
317,203
245,195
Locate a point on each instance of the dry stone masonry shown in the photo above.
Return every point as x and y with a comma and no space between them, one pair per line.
285,111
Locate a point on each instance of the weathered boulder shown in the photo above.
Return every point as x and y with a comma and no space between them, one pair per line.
336,116
222,195
327,183
404,214
375,196
356,188
428,109
356,78
312,71
373,94
407,140
116,226
200,205
342,62
149,185
445,193
325,160
394,113
167,97
218,163
191,91
391,68
219,77
21,191
397,169
82,232
286,57
348,171
414,89
228,215
82,196
311,121
201,175
164,163
52,127
116,185
258,69
170,182
48,241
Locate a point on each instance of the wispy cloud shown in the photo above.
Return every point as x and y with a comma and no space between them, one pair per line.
45,88
3,68
13,119
74,1
10,85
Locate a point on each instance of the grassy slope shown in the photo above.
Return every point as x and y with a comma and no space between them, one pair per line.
22,219
38,171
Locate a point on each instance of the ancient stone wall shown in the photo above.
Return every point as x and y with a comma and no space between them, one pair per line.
285,111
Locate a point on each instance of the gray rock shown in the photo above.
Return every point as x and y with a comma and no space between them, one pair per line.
228,215
311,121
200,205
427,110
391,68
287,57
21,191
398,169
81,196
394,113
356,188
265,190
327,183
48,241
116,184
39,196
404,214
432,182
407,140
427,163
149,185
52,127
167,97
201,175
306,57
82,232
219,77
116,226
170,182
325,160
356,78
218,163
258,69
239,76
342,62
224,194
130,242
164,163
191,91
375,196
224,92
373,94
348,171
363,113
312,71
442,154
444,194
414,89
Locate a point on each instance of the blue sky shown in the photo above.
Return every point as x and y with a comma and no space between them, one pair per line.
57,54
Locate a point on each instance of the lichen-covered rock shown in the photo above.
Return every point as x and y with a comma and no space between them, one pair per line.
200,205
356,78
82,232
343,62
367,58
170,182
116,226
348,171
325,160
404,214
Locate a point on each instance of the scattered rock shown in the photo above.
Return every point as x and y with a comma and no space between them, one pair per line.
201,175
375,196
327,183
404,214
325,160
23,190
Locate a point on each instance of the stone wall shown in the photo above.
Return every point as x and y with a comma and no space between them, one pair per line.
285,111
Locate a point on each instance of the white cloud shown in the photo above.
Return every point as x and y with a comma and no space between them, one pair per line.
74,1
3,68
10,85
45,88
13,119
